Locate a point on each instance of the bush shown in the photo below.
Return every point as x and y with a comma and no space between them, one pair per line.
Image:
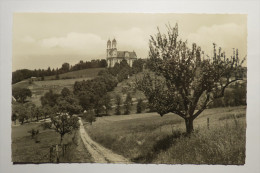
118,103
127,104
34,134
46,125
89,117
140,107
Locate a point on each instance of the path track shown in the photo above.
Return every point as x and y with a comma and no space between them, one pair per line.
99,153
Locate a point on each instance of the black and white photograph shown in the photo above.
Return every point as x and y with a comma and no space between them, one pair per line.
129,88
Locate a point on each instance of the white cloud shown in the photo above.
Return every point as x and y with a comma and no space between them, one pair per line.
132,39
79,42
28,39
227,36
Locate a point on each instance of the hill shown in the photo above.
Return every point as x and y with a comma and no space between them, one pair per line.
85,73
39,88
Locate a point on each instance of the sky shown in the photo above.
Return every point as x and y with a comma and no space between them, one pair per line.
42,40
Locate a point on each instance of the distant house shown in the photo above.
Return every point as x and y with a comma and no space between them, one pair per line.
114,56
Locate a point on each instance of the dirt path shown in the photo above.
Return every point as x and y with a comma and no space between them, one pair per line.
99,153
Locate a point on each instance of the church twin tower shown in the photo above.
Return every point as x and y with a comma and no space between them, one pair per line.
113,44
114,56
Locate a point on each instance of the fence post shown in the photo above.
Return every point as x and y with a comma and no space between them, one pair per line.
63,150
208,122
51,151
57,153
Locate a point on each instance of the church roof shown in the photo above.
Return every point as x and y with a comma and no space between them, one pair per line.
122,54
114,40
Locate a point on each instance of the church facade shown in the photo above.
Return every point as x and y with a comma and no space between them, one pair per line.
114,56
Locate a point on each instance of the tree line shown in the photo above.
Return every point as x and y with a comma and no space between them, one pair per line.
22,74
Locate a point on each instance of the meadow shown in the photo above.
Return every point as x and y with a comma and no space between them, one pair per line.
39,88
26,150
149,138
85,73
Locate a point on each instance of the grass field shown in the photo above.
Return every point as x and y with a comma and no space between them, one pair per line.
39,88
149,138
25,150
85,73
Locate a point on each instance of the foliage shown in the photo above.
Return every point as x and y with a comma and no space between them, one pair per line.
22,74
14,117
138,66
63,124
47,111
33,132
107,103
185,82
127,104
46,125
140,107
65,92
22,112
20,94
68,105
89,116
234,96
65,67
49,98
92,94
118,101
31,109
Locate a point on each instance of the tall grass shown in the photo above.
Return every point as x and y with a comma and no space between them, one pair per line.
223,145
158,139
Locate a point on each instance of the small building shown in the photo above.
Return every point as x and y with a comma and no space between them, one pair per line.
114,56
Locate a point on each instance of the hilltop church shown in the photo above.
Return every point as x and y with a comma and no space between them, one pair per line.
114,56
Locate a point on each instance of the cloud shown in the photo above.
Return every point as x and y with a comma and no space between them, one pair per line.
28,39
77,42
227,36
132,39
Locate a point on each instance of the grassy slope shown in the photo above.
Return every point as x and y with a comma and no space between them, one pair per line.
85,73
25,150
122,89
38,88
149,138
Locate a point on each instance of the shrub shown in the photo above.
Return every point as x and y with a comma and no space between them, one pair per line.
89,117
140,107
118,103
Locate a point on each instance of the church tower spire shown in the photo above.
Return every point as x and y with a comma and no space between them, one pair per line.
108,44
114,44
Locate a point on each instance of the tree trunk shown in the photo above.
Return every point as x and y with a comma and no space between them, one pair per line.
61,138
189,125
